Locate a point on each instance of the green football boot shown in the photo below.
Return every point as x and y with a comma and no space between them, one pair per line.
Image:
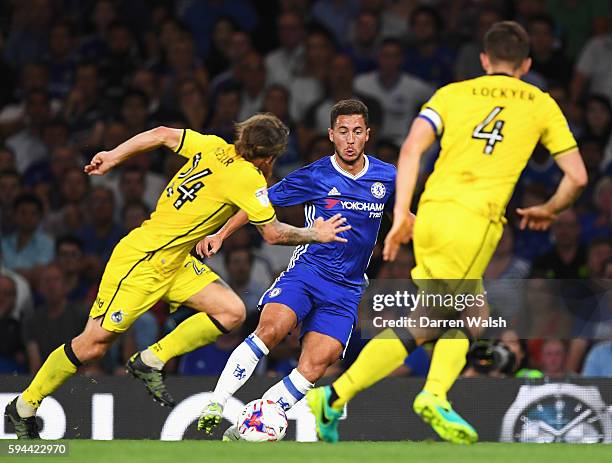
25,428
210,417
326,417
152,378
439,414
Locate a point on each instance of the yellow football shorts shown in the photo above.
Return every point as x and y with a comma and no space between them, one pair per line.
452,242
135,281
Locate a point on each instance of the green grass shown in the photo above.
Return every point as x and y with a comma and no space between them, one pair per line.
143,451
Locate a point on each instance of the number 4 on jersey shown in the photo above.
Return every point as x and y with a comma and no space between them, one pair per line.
495,135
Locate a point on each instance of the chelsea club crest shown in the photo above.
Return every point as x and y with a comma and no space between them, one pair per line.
378,190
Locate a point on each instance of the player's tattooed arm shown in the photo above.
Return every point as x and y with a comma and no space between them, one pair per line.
323,231
104,161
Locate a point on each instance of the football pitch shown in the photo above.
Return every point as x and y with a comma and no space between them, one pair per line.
144,451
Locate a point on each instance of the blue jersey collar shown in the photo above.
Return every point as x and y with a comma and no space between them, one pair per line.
358,175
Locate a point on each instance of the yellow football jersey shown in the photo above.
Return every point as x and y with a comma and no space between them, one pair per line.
489,127
211,187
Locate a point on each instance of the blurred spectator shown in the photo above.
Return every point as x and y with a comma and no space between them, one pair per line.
12,352
226,108
134,214
308,86
240,45
84,106
339,86
593,73
252,77
24,302
70,259
399,93
202,15
217,59
427,57
54,322
193,105
102,233
183,64
44,176
598,362
467,64
599,222
120,60
544,315
336,16
10,188
363,49
504,278
135,112
276,101
62,58
28,247
552,361
28,36
146,81
73,192
33,76
598,119
239,266
567,258
287,61
548,59
542,170
94,45
578,21
387,151
7,159
599,252
27,144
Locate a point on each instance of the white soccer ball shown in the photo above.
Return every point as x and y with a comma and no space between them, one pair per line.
262,421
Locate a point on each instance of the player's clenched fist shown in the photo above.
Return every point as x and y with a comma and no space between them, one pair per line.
328,230
100,164
209,246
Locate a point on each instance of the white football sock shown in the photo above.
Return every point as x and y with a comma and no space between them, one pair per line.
149,358
289,390
24,409
239,368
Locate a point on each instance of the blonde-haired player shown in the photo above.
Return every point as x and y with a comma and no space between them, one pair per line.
488,128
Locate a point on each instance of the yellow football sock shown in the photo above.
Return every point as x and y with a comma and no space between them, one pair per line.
54,372
381,356
197,331
447,362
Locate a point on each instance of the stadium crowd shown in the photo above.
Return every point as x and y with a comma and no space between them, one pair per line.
78,77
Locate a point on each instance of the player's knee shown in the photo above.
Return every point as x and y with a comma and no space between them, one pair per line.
313,369
236,314
270,334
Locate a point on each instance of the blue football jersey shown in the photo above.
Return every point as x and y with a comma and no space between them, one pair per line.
326,189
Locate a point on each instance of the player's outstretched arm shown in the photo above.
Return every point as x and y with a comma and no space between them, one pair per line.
575,178
104,161
210,245
323,231
419,139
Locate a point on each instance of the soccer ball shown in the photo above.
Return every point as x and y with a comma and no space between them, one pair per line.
262,421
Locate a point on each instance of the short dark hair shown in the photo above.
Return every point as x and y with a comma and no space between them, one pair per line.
429,11
507,41
544,19
347,108
70,240
261,136
29,198
232,251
